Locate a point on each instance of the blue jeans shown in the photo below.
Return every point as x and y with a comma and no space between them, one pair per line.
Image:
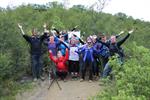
106,70
36,63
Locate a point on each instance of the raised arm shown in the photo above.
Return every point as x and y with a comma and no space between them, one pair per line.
66,44
27,38
80,40
67,55
74,28
118,35
20,27
56,30
45,28
119,43
52,57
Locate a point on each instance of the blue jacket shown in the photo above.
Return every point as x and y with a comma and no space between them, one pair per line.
87,53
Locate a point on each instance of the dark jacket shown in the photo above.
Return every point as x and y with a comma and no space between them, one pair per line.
35,43
116,47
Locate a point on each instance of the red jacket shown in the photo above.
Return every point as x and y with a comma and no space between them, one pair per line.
60,62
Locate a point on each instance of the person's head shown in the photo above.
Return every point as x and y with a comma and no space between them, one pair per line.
62,37
51,39
103,38
113,39
34,32
59,54
73,40
64,32
94,37
77,41
89,41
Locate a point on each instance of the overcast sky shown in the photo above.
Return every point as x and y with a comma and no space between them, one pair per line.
135,8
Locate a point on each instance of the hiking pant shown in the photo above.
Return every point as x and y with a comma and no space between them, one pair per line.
80,64
36,63
95,68
121,60
107,70
61,74
103,61
87,65
74,66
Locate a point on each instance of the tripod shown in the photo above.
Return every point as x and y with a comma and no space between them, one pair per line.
53,76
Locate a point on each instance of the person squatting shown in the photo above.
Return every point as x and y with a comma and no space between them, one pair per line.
74,57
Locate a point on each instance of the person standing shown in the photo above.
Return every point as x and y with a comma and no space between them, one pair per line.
35,42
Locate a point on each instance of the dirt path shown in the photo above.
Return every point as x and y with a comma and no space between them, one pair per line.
71,90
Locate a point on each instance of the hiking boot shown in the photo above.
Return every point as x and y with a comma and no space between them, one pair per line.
81,80
65,80
90,81
35,79
72,75
42,78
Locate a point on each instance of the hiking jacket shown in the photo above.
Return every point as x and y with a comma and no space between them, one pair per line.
35,43
60,62
116,47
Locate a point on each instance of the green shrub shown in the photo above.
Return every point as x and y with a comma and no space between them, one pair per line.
132,81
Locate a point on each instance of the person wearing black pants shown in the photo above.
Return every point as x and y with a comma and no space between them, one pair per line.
87,65
62,75
88,59
74,68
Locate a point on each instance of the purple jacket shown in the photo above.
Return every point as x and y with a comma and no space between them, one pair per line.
87,53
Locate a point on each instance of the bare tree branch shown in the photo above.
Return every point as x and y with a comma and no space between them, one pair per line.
99,5
65,3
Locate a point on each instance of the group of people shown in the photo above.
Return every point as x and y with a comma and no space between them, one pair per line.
71,55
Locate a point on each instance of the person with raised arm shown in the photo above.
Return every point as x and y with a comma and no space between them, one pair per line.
35,42
60,62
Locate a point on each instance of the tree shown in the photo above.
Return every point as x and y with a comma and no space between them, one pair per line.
99,5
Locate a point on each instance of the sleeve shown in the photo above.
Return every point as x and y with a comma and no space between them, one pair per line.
27,38
97,47
57,31
119,43
52,57
45,35
73,29
117,36
67,55
80,40
65,44
80,50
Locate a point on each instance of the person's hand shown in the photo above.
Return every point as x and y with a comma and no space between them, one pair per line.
52,27
44,25
121,32
50,51
46,31
19,26
76,26
131,31
66,49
